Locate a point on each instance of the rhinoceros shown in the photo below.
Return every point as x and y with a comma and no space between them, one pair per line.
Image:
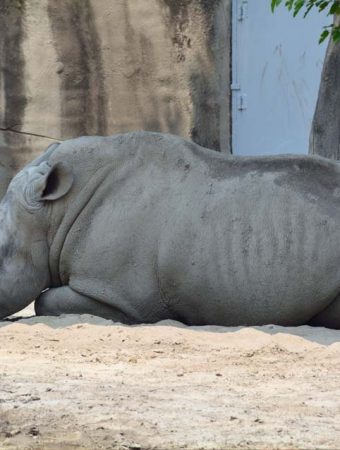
141,227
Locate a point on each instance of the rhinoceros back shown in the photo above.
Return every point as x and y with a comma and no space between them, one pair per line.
176,231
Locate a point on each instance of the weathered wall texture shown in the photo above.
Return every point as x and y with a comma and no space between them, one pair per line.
82,67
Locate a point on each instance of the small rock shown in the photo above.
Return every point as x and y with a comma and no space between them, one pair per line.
12,433
258,420
60,69
34,431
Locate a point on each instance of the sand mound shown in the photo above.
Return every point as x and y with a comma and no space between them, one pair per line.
84,382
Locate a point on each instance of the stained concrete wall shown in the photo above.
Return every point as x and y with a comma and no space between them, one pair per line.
86,67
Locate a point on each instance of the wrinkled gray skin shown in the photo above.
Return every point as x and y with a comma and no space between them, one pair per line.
142,227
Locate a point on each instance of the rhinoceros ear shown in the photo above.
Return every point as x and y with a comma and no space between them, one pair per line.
57,183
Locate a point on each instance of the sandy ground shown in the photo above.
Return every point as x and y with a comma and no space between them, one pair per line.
80,382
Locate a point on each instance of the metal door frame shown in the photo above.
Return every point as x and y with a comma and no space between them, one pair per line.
239,10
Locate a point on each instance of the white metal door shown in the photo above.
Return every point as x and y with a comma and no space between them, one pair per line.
276,68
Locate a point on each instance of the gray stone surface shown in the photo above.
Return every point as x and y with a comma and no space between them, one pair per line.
143,227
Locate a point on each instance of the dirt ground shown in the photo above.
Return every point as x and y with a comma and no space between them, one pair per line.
80,382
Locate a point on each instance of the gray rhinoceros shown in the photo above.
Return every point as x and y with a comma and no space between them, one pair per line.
142,227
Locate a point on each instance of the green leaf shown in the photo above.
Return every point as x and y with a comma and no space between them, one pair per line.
335,8
336,34
332,7
275,4
323,36
298,5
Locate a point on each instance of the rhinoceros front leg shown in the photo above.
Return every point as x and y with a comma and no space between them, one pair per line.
329,317
64,300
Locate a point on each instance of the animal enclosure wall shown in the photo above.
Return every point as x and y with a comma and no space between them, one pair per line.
85,67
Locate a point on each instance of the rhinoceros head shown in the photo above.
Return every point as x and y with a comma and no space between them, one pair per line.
24,214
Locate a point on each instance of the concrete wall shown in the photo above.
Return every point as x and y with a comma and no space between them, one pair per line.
82,67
